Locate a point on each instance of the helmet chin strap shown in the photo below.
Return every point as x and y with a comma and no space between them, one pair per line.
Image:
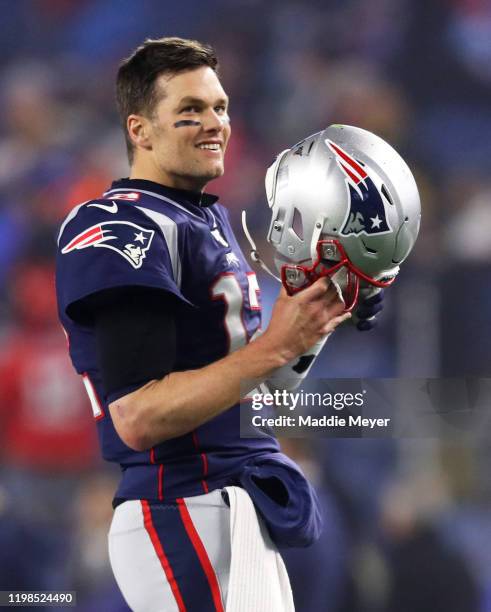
254,252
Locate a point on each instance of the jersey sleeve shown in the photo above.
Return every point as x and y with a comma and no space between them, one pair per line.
99,249
129,322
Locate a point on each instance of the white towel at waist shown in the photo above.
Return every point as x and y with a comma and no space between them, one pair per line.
258,579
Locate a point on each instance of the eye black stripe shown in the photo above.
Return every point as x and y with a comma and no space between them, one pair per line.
186,123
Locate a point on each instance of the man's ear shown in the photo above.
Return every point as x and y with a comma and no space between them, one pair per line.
139,129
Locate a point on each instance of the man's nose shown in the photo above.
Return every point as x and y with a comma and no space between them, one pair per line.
213,121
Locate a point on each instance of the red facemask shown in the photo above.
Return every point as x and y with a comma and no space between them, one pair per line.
298,277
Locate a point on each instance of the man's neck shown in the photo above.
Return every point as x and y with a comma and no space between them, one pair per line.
138,171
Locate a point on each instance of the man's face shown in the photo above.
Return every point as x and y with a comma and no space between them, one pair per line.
189,129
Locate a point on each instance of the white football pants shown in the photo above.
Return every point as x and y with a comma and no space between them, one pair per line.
197,555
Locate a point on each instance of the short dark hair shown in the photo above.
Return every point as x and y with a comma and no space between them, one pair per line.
135,82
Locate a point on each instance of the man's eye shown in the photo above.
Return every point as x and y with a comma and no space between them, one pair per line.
221,108
190,109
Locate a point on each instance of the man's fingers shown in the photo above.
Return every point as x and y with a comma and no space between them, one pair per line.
315,291
323,289
333,295
333,323
333,304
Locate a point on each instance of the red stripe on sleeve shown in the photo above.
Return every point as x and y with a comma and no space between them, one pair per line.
204,462
202,554
160,477
164,562
204,458
161,482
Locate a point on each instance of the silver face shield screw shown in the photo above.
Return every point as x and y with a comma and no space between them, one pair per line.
329,251
294,277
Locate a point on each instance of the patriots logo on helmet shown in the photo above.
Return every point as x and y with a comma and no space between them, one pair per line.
366,214
128,239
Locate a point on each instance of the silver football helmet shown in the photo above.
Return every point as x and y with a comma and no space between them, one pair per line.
344,204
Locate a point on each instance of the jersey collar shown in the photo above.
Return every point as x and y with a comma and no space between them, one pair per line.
182,196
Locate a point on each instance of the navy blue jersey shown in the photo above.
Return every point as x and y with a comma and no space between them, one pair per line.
144,234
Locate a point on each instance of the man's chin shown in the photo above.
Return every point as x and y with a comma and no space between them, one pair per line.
218,169
213,173
198,179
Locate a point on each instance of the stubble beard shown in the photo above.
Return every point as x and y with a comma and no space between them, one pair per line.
193,170
206,174
197,177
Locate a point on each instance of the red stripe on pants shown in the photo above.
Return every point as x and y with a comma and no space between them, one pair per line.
164,562
202,555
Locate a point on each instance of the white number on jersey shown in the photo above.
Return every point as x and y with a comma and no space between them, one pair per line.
227,288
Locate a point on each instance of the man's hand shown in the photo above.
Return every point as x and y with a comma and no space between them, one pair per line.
301,320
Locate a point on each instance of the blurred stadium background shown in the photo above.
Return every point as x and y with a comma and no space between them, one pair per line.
408,521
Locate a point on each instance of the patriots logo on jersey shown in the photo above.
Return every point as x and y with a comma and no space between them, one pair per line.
366,213
128,239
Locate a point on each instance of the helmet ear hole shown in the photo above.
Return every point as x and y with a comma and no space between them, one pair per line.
368,249
297,225
386,193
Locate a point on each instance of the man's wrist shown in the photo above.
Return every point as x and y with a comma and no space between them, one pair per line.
272,356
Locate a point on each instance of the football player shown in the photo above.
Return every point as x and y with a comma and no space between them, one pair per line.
160,307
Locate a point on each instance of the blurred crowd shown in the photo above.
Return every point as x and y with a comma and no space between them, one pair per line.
408,522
